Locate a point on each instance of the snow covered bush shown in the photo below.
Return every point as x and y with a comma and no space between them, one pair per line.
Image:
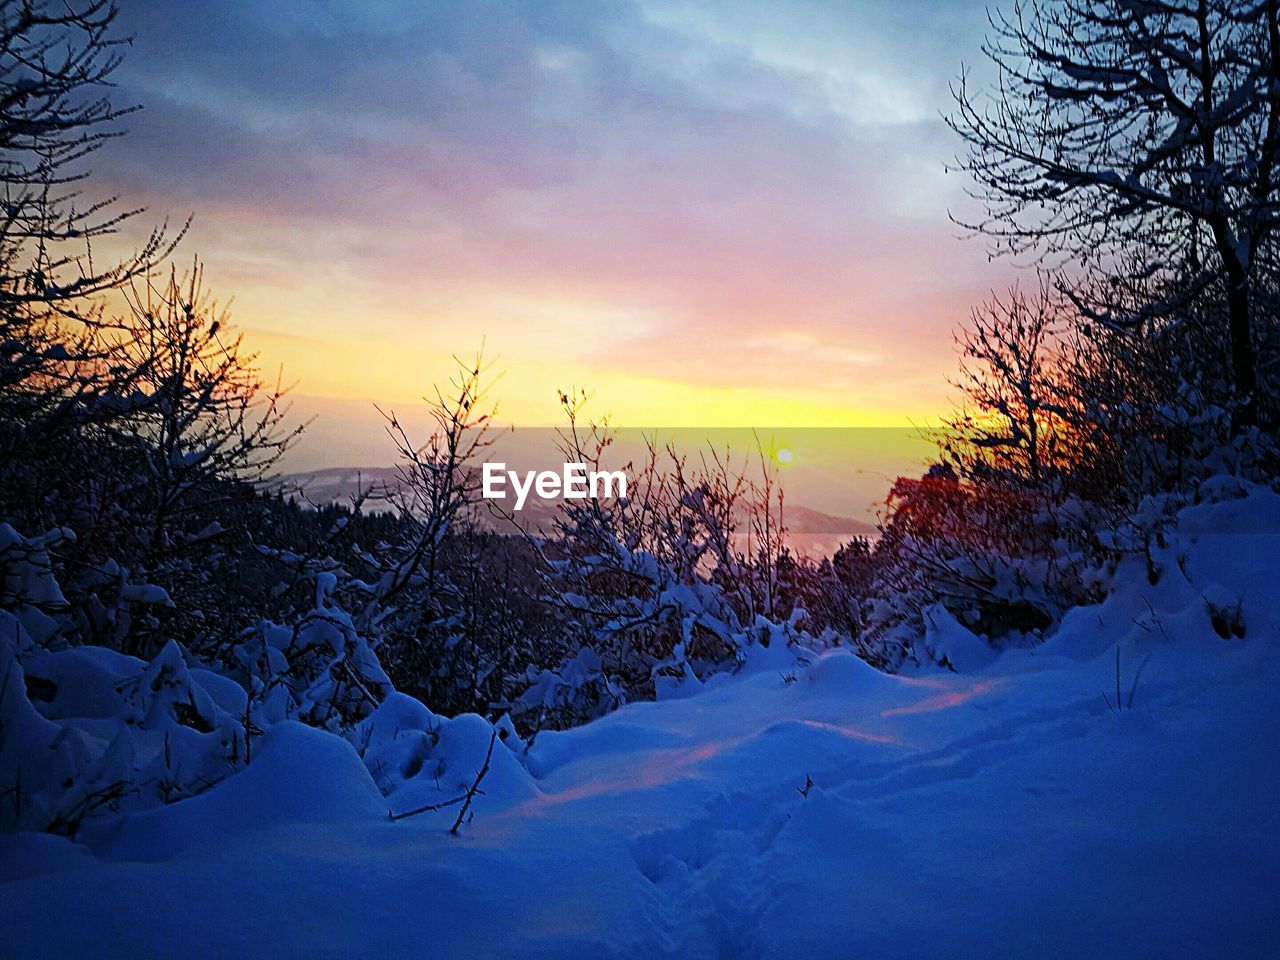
1077,439
320,670
87,731
669,585
424,763
998,560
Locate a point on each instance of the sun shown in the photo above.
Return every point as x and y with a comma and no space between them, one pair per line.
784,455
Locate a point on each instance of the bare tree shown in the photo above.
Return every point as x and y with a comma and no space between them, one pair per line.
436,483
56,63
1134,136
1012,423
199,416
415,600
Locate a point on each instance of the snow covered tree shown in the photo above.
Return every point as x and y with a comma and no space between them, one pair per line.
1135,138
194,430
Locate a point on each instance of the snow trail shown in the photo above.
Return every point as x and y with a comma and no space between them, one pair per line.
1008,811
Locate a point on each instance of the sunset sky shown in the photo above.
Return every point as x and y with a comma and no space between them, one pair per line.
707,213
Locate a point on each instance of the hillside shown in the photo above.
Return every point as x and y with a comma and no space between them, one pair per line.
1107,793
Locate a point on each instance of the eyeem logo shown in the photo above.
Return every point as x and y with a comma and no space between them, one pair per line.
574,482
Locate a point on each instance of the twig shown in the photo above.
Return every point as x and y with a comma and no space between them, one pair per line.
1117,676
1134,689
465,799
393,817
475,784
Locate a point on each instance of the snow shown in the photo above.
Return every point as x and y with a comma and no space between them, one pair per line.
1007,809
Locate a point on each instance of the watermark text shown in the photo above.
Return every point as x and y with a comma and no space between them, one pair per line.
576,481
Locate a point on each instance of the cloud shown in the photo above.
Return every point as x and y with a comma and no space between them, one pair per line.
721,194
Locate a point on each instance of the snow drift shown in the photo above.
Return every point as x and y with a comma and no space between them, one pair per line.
1106,793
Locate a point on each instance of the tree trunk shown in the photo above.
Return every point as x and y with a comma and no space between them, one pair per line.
1243,366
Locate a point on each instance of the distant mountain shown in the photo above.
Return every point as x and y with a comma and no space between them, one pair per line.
337,484
806,520
810,531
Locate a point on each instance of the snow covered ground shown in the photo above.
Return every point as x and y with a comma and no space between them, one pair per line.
1008,810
